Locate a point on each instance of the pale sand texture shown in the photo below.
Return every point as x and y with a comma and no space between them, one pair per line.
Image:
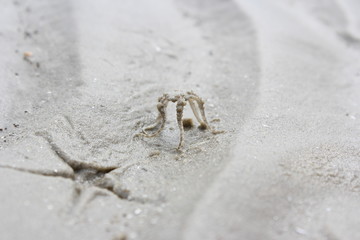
282,78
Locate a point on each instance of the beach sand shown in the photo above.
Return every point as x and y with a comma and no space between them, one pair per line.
79,80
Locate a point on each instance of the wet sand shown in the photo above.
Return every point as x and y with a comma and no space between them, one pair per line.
282,81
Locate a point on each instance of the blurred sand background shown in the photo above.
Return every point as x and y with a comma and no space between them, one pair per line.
283,79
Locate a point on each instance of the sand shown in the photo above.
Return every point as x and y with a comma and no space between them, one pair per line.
281,79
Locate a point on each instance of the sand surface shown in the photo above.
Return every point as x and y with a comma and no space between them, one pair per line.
281,79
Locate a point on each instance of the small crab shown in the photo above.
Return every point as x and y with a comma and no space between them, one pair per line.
197,106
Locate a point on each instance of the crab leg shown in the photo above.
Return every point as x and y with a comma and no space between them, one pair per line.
195,111
202,111
179,114
151,127
161,119
200,104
